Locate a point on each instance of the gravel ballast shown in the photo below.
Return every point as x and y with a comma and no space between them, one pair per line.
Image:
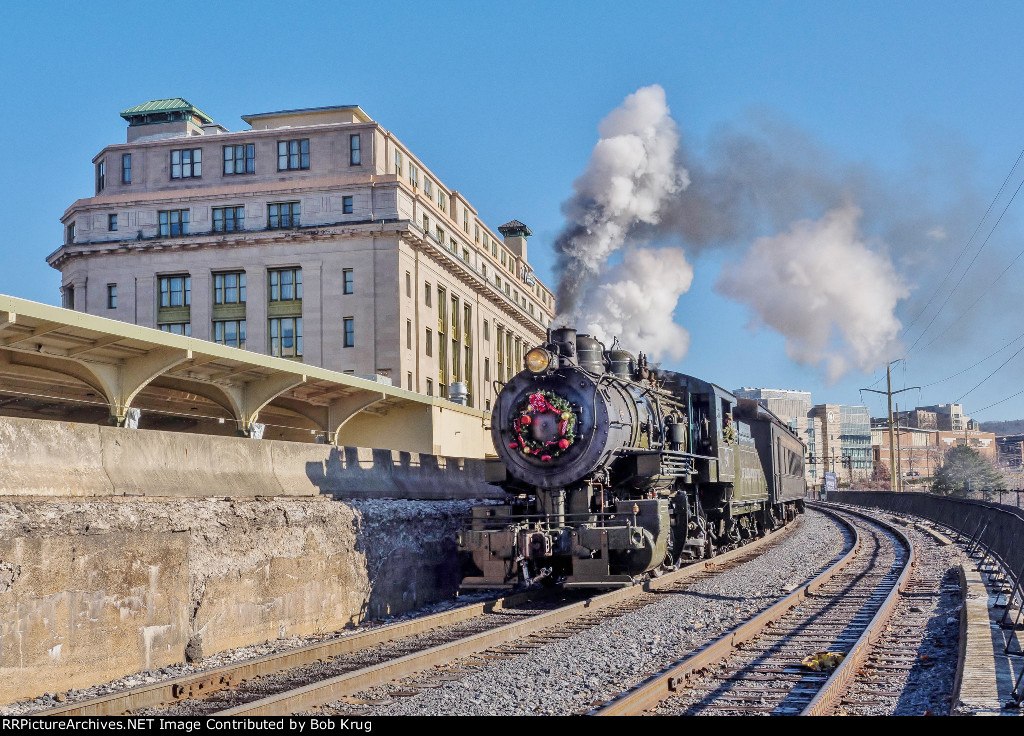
572,675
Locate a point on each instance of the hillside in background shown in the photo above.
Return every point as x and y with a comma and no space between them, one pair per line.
1010,426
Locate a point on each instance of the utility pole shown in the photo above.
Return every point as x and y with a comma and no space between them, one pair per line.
892,440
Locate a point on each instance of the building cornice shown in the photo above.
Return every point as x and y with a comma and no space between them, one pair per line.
403,229
252,189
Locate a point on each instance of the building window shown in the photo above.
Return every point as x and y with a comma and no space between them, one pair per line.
430,342
494,248
353,150
442,201
426,224
175,291
69,233
173,222
293,154
428,187
285,284
347,282
430,387
283,215
187,163
178,328
465,220
240,159
426,293
414,176
487,331
126,168
111,296
112,223
503,263
285,336
408,334
408,284
487,369
69,297
230,332
101,176
350,333
229,288
408,381
398,162
476,233
347,207
439,234
465,254
228,219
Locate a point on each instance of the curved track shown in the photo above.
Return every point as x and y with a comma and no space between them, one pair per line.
755,668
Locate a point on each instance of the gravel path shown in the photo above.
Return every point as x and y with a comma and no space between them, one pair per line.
571,675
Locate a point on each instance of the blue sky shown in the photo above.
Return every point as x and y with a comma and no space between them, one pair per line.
503,100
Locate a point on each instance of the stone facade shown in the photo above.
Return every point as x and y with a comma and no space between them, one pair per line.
399,275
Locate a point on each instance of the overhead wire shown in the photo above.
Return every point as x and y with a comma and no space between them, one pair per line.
964,274
967,244
975,365
982,381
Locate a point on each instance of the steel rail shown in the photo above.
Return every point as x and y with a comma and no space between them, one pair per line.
325,691
663,684
843,675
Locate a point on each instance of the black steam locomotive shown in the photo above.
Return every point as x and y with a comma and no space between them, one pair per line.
616,470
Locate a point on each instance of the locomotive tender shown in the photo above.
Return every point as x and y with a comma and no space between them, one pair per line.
616,470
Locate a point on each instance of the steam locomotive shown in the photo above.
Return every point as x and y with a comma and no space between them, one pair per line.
616,470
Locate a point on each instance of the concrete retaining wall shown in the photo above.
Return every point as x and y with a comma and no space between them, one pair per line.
120,547
91,590
42,458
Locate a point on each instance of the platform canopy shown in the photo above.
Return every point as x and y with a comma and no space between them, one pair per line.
62,364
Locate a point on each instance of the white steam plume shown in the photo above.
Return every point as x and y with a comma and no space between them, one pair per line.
634,301
819,284
631,172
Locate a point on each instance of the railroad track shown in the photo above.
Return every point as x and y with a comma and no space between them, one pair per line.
306,677
756,667
897,661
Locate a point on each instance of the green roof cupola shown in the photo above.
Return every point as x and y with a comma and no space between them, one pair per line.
167,118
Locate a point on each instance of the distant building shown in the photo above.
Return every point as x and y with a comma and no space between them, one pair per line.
920,452
948,417
1010,450
846,440
917,418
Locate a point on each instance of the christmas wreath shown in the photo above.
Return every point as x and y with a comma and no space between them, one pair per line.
544,425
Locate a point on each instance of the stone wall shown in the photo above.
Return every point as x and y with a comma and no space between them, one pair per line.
94,589
119,548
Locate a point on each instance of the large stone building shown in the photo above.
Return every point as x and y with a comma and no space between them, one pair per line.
314,235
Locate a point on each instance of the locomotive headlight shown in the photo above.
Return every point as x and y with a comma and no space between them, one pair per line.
537,360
